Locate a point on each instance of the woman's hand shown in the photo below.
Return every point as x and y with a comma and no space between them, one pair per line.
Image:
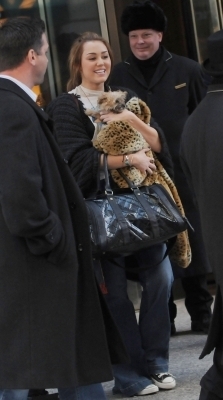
142,162
125,115
138,160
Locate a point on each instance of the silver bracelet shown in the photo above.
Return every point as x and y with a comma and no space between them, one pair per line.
126,161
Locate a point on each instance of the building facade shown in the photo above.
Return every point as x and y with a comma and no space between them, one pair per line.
190,22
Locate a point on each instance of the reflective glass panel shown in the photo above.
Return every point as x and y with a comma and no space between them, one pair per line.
66,20
30,8
206,21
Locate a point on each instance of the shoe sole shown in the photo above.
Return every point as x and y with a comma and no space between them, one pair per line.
144,392
166,386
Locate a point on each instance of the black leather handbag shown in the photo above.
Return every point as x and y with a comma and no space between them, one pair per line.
133,219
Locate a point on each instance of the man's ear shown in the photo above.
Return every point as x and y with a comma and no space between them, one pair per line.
31,56
161,36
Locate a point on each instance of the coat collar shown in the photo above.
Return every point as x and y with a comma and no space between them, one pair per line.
218,87
9,86
163,65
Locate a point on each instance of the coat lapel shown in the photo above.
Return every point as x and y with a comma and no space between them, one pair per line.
160,70
7,85
135,72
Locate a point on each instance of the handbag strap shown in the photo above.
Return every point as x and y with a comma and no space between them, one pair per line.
148,210
162,193
108,188
124,223
109,194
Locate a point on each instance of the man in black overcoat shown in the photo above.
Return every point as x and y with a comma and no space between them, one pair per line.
54,329
202,160
172,86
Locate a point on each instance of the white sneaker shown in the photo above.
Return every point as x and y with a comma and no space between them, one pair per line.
164,380
148,390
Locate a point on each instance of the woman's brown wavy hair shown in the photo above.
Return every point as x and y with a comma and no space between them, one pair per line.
75,55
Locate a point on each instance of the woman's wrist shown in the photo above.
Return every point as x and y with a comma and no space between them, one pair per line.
131,159
119,161
132,118
127,160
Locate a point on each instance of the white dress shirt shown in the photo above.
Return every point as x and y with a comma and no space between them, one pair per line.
22,86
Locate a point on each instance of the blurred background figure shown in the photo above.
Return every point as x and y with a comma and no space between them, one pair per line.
201,152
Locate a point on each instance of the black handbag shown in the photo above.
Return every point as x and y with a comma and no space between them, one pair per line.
128,220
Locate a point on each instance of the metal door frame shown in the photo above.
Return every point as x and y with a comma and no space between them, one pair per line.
50,65
218,5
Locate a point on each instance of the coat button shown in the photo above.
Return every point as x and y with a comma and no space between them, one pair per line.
150,92
66,161
72,205
80,248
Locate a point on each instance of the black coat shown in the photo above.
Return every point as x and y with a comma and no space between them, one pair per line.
74,131
175,90
202,155
51,323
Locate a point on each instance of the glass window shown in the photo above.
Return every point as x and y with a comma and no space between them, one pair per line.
66,20
30,8
206,21
14,8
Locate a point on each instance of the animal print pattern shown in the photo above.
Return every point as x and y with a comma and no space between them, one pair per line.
119,138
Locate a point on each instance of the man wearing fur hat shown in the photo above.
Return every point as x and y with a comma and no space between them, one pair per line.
201,154
172,86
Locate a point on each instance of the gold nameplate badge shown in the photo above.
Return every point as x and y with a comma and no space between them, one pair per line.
180,86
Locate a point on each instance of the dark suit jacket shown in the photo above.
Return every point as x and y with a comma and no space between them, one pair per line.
51,323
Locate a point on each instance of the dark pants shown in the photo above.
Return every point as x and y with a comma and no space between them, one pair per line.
206,395
147,342
197,298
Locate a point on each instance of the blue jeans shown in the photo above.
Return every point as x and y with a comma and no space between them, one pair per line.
8,394
88,392
147,342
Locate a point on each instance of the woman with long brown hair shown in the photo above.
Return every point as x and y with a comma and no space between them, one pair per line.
90,64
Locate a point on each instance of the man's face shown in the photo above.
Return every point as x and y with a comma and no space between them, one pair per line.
144,43
41,61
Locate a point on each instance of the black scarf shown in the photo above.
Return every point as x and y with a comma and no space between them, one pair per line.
148,67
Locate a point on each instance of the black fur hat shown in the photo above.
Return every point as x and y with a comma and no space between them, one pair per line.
143,15
214,64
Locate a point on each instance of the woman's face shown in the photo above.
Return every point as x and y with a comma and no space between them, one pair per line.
95,65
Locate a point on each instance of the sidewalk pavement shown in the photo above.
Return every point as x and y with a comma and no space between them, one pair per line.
185,365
